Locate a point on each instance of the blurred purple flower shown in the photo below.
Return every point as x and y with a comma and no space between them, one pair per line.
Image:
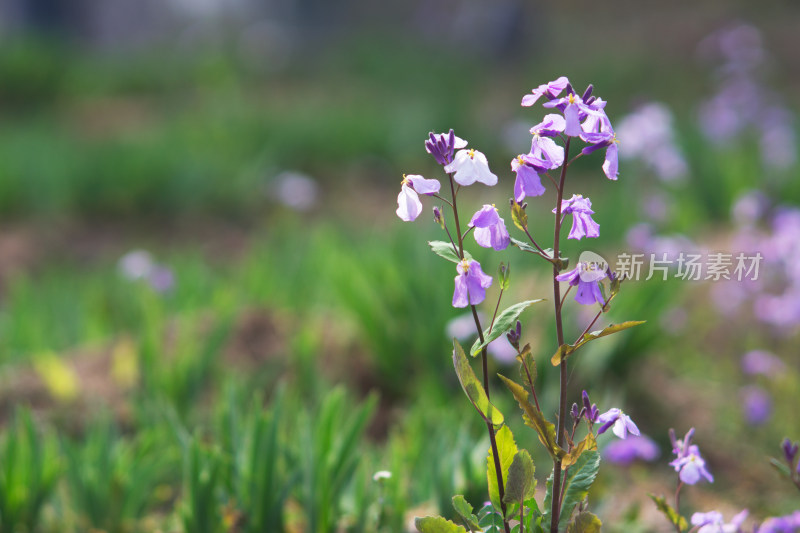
749,208
161,279
688,462
502,350
624,452
713,522
781,524
470,284
647,134
295,190
756,404
136,265
762,362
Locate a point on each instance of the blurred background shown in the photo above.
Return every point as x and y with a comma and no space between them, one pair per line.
211,319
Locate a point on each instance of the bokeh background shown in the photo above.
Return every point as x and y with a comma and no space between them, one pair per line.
211,319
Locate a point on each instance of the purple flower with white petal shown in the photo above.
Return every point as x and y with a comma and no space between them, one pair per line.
471,284
528,182
587,278
490,230
620,423
442,146
581,210
408,205
550,90
713,522
575,110
688,462
470,166
624,452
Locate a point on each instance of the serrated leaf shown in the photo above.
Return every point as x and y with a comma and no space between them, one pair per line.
445,250
535,419
527,365
437,524
588,443
490,520
671,514
520,484
506,450
519,216
504,322
566,349
472,387
464,510
578,480
585,522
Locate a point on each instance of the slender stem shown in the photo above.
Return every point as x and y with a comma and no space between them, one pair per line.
533,241
445,200
530,382
574,158
678,503
455,247
555,510
496,308
484,359
551,179
521,516
464,236
592,323
565,295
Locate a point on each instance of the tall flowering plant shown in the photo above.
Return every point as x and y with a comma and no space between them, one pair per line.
574,126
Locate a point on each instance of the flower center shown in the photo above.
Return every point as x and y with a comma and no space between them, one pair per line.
405,181
465,265
471,153
571,98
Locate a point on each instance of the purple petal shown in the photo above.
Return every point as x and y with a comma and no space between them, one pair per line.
408,205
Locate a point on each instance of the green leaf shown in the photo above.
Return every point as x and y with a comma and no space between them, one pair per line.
506,450
445,249
534,418
519,216
672,515
588,443
464,510
527,365
504,276
490,520
504,322
585,522
520,484
578,480
473,388
525,247
437,524
781,467
566,349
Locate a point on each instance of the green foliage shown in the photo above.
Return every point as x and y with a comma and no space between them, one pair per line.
565,350
534,418
445,250
521,484
519,216
673,516
473,388
579,478
111,480
506,451
437,524
464,510
201,510
29,468
490,520
503,323
585,522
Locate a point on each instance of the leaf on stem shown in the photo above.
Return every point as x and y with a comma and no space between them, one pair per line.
534,418
588,443
519,216
464,510
527,365
520,483
577,482
472,387
437,524
565,350
504,322
506,451
672,515
445,249
585,522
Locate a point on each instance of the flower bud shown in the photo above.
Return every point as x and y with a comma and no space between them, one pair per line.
587,93
437,216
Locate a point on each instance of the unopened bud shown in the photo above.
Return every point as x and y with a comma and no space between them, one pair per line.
588,92
437,216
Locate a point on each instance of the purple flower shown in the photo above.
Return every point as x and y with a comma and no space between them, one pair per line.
590,410
490,230
408,205
528,182
782,524
587,278
762,362
551,90
575,110
621,423
789,451
713,522
756,404
471,284
545,154
581,210
470,166
688,462
624,452
442,145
